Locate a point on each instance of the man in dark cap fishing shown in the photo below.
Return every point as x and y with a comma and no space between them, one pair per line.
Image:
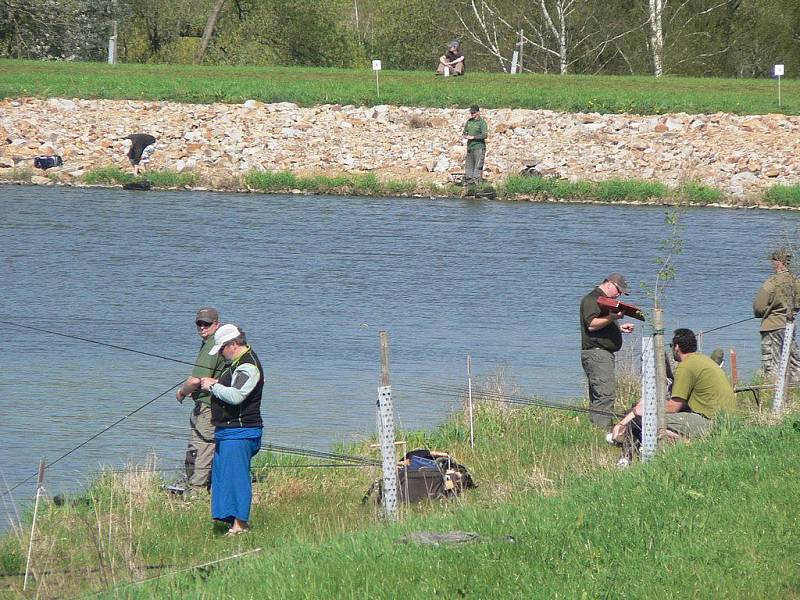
601,337
475,132
776,302
200,451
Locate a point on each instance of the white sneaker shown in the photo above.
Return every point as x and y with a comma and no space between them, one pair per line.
623,463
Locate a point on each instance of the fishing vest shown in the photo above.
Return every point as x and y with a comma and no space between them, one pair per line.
246,414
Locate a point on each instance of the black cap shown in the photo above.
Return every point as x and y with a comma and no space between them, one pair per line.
618,280
474,109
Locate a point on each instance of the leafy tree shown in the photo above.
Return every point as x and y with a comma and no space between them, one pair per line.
64,29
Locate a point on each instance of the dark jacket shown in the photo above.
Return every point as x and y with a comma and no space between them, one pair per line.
139,141
246,414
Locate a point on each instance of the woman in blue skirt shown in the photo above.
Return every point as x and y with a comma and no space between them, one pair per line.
236,415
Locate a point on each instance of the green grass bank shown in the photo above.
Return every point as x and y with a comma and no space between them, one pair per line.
512,188
310,86
556,519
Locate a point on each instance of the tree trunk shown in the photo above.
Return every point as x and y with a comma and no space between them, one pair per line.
562,39
209,30
657,36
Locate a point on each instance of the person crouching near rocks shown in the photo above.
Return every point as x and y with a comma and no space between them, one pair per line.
142,147
236,416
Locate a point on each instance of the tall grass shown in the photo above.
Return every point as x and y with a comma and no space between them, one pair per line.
511,188
715,519
162,178
359,184
545,477
310,86
783,195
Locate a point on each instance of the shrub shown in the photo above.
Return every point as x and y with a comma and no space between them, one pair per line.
271,181
167,178
783,195
620,189
108,175
697,193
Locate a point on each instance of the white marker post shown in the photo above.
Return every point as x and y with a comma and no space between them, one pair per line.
376,66
778,72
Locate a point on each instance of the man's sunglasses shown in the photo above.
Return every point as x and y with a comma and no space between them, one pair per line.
203,323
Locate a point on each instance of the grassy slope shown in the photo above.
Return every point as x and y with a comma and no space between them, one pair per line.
306,86
716,518
712,520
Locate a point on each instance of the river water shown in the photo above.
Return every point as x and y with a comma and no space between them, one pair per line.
312,280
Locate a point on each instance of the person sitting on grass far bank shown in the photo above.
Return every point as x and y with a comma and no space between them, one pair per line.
236,415
142,147
700,392
452,61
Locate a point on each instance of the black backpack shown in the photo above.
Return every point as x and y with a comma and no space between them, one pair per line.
424,475
45,162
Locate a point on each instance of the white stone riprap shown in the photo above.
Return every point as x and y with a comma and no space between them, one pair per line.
740,155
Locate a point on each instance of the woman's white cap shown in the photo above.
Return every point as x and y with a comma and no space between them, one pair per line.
223,335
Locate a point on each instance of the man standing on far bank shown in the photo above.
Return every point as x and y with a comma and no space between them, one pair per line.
475,132
776,302
200,451
601,337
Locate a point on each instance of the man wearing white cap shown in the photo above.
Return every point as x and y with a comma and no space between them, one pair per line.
236,414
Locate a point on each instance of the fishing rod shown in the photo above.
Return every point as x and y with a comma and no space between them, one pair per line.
94,437
457,392
727,325
91,341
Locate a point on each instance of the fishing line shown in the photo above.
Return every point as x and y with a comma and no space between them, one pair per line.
456,392
83,339
95,436
145,471
728,325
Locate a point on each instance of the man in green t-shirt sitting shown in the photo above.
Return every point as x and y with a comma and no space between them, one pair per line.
700,391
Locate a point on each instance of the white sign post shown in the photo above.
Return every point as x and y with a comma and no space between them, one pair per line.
779,73
376,66
514,58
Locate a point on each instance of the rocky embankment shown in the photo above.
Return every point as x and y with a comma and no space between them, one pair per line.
739,155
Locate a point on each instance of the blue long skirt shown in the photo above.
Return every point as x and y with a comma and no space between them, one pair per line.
231,484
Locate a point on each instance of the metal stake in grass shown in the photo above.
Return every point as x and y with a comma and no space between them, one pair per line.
386,433
469,388
649,412
780,385
39,493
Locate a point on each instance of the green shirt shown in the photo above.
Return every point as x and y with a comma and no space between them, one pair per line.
777,296
609,337
477,128
207,365
703,385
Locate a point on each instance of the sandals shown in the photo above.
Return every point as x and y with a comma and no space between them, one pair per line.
233,532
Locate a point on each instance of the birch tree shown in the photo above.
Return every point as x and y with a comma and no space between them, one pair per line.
656,10
565,31
674,27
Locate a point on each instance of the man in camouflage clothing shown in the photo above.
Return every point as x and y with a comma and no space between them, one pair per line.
777,301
